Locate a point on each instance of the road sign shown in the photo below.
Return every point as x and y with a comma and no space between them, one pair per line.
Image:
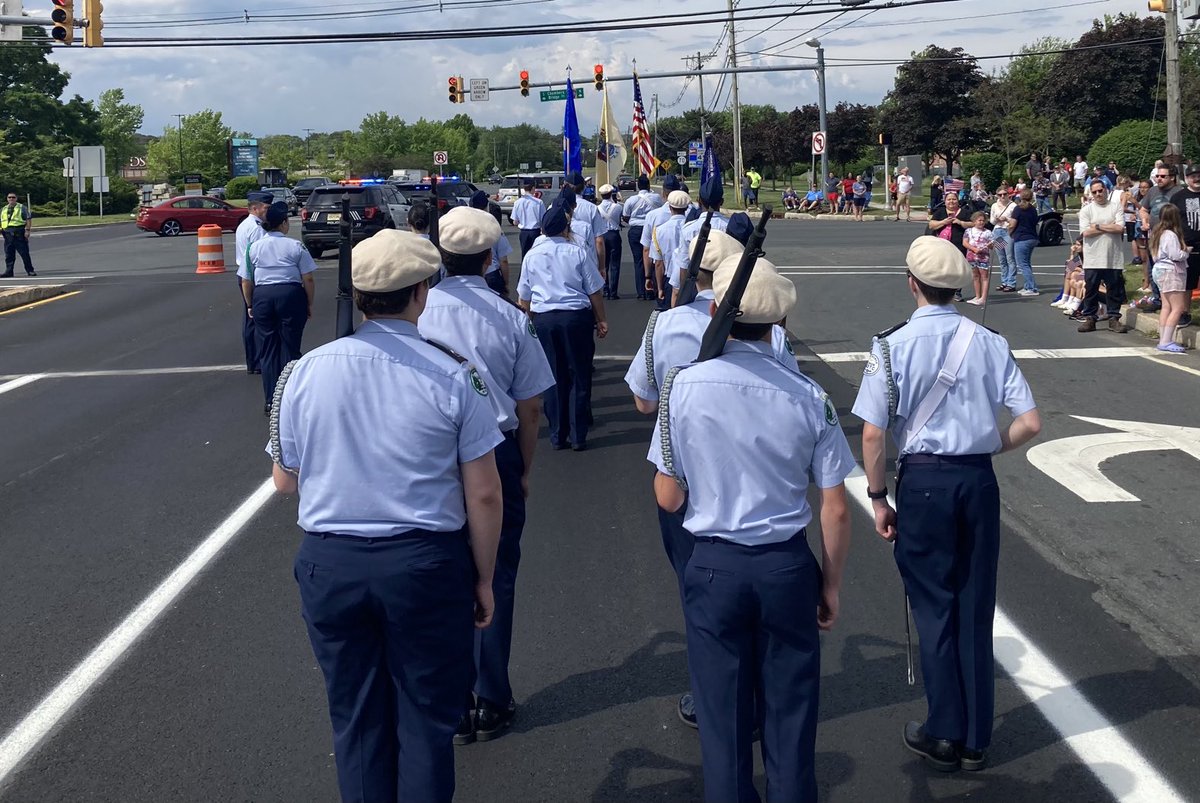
480,89
538,165
441,158
681,156
558,94
523,166
667,164
818,143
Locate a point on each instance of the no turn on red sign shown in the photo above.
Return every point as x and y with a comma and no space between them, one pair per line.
818,143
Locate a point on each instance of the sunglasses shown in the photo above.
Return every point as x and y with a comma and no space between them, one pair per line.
1161,175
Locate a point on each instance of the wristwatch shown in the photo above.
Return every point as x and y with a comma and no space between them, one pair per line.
877,494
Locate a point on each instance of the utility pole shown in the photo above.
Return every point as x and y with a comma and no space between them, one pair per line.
179,131
699,61
738,166
1171,54
654,101
307,150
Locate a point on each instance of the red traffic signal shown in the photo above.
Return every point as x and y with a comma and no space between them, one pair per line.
525,83
598,78
63,17
453,88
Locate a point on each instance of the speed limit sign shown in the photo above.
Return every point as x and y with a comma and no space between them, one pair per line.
441,157
818,143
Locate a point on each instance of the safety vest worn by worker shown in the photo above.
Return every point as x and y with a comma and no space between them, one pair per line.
12,217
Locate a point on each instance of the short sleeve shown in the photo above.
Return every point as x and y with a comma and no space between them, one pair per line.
1018,398
531,374
647,234
477,433
503,247
832,459
289,453
637,377
592,283
655,454
524,285
307,263
871,405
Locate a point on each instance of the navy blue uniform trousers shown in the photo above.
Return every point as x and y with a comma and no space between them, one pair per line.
493,644
525,238
947,546
639,255
755,660
495,280
15,242
247,332
566,337
612,255
391,623
280,312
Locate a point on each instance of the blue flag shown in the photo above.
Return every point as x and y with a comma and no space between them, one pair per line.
572,146
712,191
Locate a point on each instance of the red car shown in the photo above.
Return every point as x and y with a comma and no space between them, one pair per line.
189,213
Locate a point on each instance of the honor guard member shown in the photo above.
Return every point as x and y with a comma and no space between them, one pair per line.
582,232
498,339
634,214
526,215
663,241
561,291
653,219
390,441
496,273
279,292
936,382
738,439
588,211
248,231
712,195
16,222
611,210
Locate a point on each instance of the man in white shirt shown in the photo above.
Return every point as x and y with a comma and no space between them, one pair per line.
1081,174
904,188
1102,223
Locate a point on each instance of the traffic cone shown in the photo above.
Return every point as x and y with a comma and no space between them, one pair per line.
210,250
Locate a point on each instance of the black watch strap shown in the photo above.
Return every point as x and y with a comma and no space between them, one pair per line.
877,494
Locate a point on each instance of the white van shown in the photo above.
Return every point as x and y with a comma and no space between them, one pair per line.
547,186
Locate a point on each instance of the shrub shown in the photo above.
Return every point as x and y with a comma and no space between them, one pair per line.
991,167
237,188
1133,145
48,209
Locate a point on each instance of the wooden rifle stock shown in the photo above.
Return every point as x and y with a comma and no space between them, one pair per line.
726,315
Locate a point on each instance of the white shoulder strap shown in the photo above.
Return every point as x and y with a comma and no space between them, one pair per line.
946,378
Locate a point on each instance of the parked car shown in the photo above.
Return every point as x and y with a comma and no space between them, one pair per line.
373,207
304,187
547,186
189,213
217,192
288,197
626,182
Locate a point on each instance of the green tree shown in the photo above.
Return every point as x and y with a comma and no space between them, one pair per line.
381,138
850,128
285,151
119,124
204,149
1133,145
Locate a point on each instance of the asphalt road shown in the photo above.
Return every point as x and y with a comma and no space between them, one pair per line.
115,472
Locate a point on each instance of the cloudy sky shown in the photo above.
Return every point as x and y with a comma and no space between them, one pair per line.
326,87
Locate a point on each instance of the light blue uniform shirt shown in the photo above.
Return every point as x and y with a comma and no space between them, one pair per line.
585,235
676,341
965,422
278,259
500,250
612,212
557,275
527,212
678,261
497,338
654,219
640,205
378,424
747,434
664,241
247,232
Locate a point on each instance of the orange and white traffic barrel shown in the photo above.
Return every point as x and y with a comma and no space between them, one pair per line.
210,250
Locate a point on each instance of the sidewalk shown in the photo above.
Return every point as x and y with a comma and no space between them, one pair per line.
1147,324
13,297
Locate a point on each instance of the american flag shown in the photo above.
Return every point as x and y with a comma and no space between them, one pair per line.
641,135
954,184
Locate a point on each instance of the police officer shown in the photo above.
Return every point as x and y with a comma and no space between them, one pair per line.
634,214
496,273
278,292
611,210
395,570
498,339
653,219
712,195
248,231
527,215
16,221
935,382
663,241
561,290
738,438
587,211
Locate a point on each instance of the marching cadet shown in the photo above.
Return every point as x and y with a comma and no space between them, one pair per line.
496,337
663,241
611,210
712,195
247,232
561,291
940,407
654,218
634,214
582,233
279,293
496,273
526,215
738,438
590,213
389,441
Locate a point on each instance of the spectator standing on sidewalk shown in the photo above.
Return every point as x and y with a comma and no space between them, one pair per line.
1041,193
1001,216
860,197
937,191
904,188
1060,182
979,242
1171,257
949,221
1081,174
1022,227
1033,168
1187,201
1166,187
1101,223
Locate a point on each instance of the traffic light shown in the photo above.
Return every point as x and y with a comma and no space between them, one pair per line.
93,34
598,78
453,88
524,83
63,17
1158,5
885,139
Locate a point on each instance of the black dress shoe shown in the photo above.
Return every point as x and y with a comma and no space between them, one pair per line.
465,734
32,273
579,447
972,760
941,754
687,710
9,276
490,720
266,409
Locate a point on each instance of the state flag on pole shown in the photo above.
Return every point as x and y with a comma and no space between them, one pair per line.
610,148
572,145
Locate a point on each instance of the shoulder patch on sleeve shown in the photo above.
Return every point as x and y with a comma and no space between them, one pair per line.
477,382
872,366
532,329
787,344
831,417
887,332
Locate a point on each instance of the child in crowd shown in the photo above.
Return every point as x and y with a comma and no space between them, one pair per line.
1170,274
1071,297
978,242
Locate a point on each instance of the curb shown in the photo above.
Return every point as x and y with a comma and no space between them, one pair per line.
14,297
848,218
79,226
1147,324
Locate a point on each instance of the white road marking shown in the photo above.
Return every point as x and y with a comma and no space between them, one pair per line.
18,382
873,272
191,369
1172,364
883,267
1098,743
1020,354
29,733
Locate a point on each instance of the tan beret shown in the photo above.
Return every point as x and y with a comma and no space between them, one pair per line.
392,260
466,231
606,189
719,247
679,200
769,297
937,263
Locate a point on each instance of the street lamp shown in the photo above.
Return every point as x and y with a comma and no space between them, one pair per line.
821,110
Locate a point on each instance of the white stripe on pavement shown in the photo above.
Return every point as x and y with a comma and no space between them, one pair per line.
1098,743
190,369
18,382
29,733
1020,354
